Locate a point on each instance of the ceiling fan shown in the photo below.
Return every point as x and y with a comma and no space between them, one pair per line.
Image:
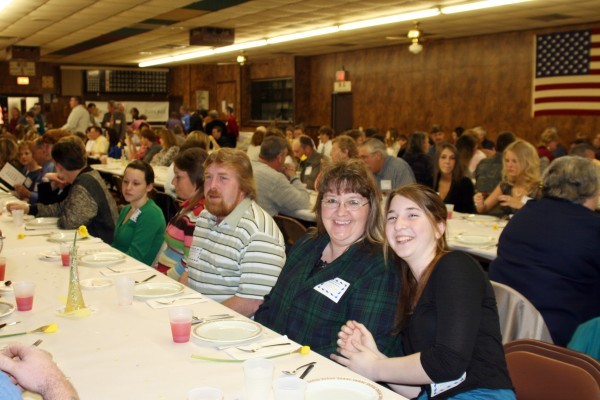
415,37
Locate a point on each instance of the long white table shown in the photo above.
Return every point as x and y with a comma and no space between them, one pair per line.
115,167
126,352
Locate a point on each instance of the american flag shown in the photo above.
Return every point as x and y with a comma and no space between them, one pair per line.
567,73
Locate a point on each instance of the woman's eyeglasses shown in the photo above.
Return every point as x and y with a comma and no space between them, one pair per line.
350,205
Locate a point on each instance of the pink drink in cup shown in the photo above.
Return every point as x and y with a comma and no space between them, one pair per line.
24,291
181,324
2,268
65,254
181,331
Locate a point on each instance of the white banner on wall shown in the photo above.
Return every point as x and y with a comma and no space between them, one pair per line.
156,111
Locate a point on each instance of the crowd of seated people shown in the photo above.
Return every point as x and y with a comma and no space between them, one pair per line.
438,319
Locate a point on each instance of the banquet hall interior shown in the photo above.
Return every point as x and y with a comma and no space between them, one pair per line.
518,79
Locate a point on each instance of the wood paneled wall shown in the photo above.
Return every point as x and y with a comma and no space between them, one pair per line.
483,80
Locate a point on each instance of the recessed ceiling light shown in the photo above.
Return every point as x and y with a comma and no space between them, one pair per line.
145,53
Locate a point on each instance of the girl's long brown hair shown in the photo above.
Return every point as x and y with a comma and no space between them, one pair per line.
411,288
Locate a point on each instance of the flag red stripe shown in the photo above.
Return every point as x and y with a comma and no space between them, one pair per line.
566,112
582,99
595,45
559,86
595,58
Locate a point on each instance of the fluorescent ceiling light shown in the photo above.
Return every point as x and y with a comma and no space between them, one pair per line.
4,3
479,5
409,16
303,35
432,12
240,46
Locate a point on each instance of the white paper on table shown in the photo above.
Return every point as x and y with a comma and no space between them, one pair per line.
265,351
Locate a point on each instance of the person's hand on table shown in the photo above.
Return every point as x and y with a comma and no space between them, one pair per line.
33,369
17,206
478,199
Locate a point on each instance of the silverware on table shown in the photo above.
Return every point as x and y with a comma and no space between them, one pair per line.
147,279
293,372
37,342
216,317
9,324
168,302
255,348
307,371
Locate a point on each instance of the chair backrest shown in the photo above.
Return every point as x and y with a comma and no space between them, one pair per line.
542,370
291,229
169,206
519,318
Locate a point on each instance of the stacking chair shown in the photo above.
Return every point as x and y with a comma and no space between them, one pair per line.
518,317
541,370
291,229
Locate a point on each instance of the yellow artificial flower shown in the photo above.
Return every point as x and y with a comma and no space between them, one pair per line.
51,328
21,236
304,350
82,231
303,157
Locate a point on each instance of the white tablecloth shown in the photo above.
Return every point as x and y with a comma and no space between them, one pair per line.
125,352
460,226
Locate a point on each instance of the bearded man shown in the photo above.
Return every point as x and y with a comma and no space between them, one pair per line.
237,251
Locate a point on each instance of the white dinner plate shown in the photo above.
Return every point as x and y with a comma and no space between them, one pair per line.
49,255
65,236
96,283
474,240
103,259
5,289
157,289
227,331
341,389
42,223
6,309
482,218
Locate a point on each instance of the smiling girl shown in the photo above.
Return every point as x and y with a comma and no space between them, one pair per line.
446,314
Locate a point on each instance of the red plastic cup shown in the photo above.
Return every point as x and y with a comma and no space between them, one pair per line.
24,291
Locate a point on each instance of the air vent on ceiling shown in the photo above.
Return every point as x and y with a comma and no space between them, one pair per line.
550,17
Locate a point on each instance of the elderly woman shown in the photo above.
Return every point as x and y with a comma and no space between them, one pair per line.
188,181
88,202
550,250
520,180
337,272
446,313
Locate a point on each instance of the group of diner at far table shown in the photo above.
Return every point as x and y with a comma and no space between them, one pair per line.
237,257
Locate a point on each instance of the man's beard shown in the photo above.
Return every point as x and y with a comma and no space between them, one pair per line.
218,207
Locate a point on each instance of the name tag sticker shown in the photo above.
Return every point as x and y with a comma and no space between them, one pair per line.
308,170
27,182
386,184
437,388
194,255
333,289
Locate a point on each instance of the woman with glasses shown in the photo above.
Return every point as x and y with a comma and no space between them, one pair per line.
447,314
337,272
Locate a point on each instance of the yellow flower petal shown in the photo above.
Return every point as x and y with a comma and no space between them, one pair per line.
82,231
305,350
21,236
51,328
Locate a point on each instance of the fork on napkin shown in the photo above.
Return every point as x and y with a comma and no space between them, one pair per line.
262,351
120,270
184,300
